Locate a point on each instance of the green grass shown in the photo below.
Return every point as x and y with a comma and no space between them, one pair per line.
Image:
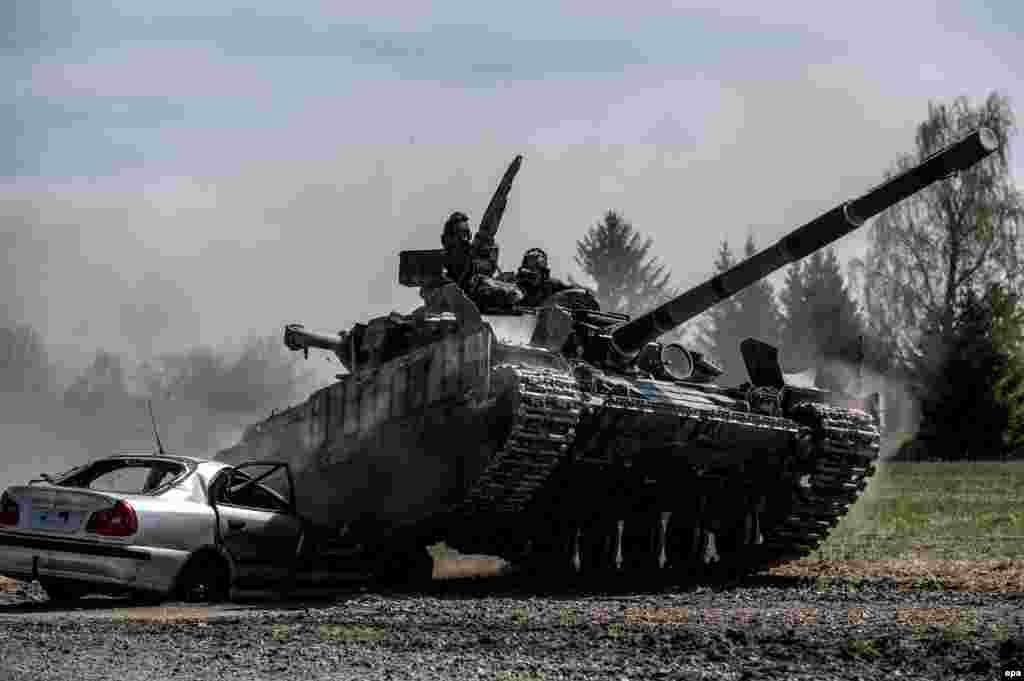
862,649
360,633
935,510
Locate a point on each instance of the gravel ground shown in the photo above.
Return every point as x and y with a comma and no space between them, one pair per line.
769,627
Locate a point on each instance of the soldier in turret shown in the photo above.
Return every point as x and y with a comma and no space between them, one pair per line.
535,281
467,257
473,265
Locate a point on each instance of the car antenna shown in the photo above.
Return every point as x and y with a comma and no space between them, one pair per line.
156,433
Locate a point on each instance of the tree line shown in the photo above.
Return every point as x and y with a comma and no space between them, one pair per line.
932,309
201,396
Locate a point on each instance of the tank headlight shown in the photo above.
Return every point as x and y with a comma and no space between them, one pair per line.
676,361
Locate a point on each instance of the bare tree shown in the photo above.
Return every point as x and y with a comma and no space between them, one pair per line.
24,364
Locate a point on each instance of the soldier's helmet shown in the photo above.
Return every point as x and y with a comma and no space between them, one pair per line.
534,267
535,259
456,230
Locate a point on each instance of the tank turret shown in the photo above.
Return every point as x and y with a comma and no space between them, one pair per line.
630,338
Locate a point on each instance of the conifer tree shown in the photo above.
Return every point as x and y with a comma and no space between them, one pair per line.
821,325
750,313
616,257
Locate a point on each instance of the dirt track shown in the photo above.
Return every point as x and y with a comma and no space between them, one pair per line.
771,627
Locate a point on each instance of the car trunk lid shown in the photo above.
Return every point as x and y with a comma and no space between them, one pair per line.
62,510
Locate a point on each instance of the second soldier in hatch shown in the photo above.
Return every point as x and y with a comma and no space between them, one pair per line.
534,279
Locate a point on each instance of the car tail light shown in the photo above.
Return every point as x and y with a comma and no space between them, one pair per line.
117,521
8,510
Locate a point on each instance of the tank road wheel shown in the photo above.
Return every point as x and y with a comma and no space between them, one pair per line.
690,545
641,542
552,556
738,543
685,540
598,547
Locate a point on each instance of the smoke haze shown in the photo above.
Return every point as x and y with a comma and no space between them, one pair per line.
202,398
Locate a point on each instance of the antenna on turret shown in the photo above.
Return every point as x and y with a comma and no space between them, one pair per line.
156,434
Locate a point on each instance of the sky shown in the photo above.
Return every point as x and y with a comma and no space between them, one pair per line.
193,173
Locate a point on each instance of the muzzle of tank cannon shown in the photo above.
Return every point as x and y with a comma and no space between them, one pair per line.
297,338
629,338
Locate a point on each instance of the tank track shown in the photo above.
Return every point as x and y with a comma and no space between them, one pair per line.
835,449
543,430
839,452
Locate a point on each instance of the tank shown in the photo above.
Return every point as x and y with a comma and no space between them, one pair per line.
569,440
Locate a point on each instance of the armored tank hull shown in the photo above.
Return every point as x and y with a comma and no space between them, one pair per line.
569,440
501,447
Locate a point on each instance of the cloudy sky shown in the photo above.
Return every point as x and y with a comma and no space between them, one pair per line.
196,172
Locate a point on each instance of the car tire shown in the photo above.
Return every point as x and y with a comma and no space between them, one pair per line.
204,578
62,592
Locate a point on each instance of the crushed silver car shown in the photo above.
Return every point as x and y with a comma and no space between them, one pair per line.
157,526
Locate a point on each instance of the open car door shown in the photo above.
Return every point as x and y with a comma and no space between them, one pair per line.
257,522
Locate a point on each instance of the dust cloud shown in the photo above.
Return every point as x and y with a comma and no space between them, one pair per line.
898,418
94,323
202,399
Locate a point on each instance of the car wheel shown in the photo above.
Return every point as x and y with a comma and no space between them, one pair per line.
62,592
204,578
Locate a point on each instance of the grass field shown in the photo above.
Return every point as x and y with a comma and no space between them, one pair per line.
930,526
950,511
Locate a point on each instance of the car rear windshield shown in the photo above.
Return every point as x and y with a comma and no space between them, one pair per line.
126,476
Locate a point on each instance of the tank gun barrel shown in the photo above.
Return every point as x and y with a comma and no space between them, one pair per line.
297,338
631,337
